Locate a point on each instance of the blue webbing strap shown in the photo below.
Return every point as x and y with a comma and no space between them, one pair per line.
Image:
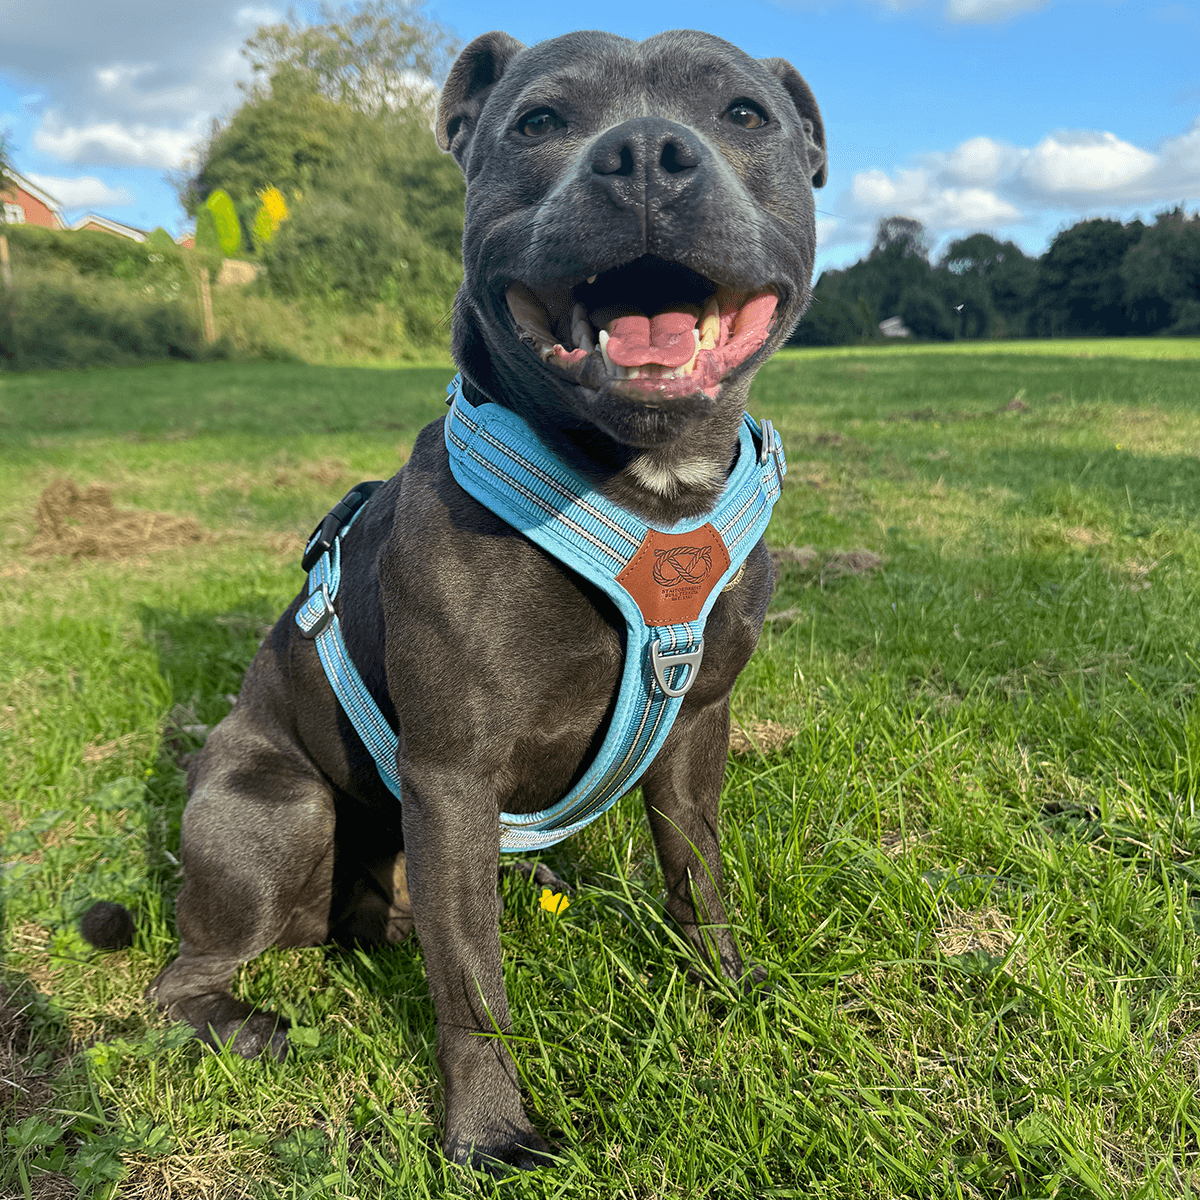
497,459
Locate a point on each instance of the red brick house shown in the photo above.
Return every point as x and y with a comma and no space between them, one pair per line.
26,204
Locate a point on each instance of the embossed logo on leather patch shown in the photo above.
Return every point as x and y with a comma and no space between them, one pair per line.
672,574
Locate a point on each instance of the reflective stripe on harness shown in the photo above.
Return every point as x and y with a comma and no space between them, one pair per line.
663,580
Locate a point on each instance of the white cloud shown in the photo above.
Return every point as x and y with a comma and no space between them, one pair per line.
920,194
979,162
1085,162
115,143
986,184
86,191
983,11
251,17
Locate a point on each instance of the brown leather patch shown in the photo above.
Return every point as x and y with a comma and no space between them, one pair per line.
672,574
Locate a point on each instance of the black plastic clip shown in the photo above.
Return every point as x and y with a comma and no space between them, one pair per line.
325,534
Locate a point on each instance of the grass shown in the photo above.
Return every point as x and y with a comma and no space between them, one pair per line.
971,872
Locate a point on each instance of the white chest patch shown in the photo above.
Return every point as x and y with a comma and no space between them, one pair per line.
667,478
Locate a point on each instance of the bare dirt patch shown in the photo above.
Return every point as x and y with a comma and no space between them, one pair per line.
759,737
810,565
987,931
83,523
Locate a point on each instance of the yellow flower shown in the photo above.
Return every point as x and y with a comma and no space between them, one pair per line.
552,902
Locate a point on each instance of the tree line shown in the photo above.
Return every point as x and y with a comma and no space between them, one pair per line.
1098,278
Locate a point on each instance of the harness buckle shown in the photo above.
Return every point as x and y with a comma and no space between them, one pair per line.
324,617
771,446
684,658
332,523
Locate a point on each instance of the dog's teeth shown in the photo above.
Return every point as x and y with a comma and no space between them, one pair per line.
611,367
710,325
689,367
581,331
591,279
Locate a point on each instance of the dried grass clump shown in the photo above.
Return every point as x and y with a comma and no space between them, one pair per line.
82,523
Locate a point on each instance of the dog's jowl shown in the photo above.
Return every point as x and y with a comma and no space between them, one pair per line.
553,598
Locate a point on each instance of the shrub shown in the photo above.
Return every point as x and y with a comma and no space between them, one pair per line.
357,256
225,218
58,319
88,252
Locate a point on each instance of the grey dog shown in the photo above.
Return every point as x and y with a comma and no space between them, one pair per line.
605,178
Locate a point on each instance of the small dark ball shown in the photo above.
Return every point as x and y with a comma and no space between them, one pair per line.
107,926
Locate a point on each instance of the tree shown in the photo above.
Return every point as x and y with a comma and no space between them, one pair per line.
898,262
1080,288
833,319
374,56
926,314
1001,270
1161,273
900,237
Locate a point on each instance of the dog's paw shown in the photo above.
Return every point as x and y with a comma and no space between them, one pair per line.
524,1150
221,1020
541,876
262,1035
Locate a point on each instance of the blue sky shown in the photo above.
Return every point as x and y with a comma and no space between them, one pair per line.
1018,117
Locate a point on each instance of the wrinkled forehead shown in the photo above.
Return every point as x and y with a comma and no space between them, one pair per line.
601,70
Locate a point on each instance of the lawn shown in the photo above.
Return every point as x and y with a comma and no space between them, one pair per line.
960,827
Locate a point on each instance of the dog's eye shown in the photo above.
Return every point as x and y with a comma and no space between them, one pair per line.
540,122
745,113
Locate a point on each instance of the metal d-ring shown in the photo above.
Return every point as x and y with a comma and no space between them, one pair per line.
685,658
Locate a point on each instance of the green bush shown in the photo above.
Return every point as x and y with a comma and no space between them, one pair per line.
60,319
89,253
356,256
228,225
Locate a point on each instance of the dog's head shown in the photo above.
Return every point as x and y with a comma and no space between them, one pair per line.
639,227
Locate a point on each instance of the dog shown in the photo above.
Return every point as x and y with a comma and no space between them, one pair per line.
623,199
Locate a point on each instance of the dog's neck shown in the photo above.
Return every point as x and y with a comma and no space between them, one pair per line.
662,485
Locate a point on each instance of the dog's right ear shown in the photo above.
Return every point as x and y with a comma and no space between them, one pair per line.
472,77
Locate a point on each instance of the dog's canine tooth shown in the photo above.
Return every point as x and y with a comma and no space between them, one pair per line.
709,330
581,331
591,279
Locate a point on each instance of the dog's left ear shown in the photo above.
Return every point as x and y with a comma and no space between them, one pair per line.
475,72
810,114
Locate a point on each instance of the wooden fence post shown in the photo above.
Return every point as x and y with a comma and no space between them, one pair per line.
5,265
210,329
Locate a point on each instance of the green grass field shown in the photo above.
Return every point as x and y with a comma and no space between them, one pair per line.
965,850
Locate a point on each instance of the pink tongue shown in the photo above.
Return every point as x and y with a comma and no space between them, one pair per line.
667,339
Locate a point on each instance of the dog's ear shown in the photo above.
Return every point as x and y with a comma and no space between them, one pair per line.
473,75
810,114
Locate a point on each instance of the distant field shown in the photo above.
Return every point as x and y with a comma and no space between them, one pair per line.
961,827
1052,347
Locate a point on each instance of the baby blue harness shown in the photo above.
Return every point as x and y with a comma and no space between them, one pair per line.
497,459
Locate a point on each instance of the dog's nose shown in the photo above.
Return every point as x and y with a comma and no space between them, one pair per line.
647,159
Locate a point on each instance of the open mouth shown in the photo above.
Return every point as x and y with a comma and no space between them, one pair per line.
650,325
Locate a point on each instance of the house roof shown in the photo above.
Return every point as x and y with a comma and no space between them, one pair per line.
110,226
27,185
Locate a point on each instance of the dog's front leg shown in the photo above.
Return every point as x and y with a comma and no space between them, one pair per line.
682,793
452,849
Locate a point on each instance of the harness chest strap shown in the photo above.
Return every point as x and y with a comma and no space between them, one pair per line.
663,581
